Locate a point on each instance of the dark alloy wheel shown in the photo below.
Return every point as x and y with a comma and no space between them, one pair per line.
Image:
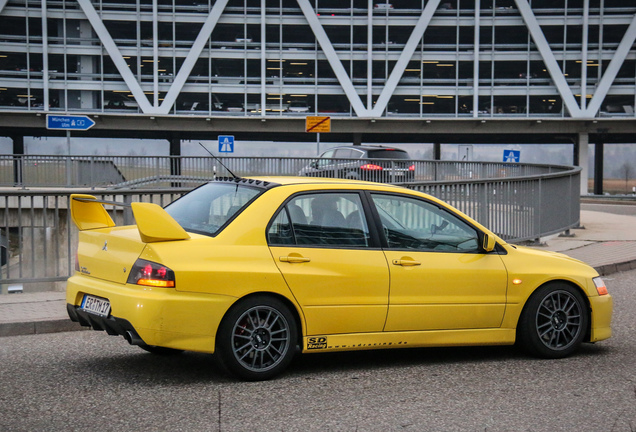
554,321
256,339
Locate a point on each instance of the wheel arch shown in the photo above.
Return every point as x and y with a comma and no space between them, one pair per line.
570,283
290,305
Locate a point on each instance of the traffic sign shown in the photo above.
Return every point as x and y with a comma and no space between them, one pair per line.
317,124
512,156
226,144
68,122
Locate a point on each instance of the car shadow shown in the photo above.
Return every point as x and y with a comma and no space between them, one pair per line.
190,367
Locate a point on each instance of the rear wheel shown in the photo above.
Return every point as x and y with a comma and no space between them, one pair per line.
256,338
553,322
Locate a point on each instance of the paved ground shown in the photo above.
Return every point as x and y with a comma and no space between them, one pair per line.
83,381
607,243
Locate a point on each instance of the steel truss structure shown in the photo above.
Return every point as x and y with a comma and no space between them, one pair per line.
350,58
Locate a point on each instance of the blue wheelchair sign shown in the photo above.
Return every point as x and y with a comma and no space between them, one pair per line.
513,156
226,144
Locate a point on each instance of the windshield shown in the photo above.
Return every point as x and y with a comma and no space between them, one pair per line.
207,209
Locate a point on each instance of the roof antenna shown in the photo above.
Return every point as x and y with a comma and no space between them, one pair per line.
219,161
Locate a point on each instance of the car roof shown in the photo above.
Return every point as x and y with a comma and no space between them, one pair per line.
298,180
368,147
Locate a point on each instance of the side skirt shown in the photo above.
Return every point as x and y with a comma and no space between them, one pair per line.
411,339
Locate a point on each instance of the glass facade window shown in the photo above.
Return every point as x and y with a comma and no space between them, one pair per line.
267,58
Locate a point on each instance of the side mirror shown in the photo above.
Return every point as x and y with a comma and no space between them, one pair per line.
489,243
314,164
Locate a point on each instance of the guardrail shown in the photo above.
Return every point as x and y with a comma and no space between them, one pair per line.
518,202
162,171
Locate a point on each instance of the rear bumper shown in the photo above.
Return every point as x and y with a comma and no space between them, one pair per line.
161,317
111,325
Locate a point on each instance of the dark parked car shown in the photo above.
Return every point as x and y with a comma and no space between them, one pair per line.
371,163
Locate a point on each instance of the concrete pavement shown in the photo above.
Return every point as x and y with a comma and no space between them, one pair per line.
607,242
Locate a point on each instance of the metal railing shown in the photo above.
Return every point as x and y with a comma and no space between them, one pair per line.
37,236
126,172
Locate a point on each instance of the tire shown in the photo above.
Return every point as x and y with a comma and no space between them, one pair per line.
256,339
157,350
554,321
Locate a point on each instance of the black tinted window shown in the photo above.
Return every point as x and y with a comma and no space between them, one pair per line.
325,219
206,209
388,154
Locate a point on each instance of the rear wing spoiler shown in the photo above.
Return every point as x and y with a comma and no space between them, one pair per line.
153,222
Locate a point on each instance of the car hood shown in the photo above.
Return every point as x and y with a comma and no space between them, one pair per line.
537,266
543,253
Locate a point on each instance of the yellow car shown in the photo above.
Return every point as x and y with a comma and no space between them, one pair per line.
257,269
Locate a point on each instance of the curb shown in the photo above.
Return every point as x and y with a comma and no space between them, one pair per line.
39,327
608,269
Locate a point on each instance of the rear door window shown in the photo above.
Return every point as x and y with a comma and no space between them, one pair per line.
322,219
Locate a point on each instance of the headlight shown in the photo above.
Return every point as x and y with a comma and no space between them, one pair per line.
148,273
600,286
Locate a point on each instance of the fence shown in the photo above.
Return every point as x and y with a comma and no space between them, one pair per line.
37,236
125,172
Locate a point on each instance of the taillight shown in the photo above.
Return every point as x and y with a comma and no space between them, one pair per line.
371,167
600,286
149,273
412,168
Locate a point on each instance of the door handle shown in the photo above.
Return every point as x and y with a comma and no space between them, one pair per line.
406,262
293,259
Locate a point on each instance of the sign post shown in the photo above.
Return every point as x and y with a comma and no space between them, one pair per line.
317,124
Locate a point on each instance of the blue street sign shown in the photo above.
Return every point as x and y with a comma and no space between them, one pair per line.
513,156
68,122
226,144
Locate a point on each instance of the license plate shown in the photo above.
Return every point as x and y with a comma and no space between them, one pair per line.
397,173
96,305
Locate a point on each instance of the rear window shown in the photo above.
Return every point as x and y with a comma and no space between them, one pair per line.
388,154
207,209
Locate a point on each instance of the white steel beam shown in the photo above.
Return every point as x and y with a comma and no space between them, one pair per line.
193,55
155,54
369,55
584,48
45,57
127,75
332,58
612,70
115,55
476,61
548,58
264,61
405,57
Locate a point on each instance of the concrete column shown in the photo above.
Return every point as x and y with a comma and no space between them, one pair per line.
437,151
175,150
598,167
581,150
86,64
357,139
18,151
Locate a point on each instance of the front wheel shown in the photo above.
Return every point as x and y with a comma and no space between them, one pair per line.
256,338
553,322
